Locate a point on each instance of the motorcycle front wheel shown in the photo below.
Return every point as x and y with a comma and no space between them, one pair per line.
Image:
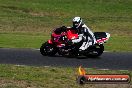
47,49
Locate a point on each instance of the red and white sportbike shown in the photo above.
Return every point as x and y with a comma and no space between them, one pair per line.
59,44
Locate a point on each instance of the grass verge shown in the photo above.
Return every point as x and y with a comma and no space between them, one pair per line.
41,16
31,40
12,40
15,76
27,23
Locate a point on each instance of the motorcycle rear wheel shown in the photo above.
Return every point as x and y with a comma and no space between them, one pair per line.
95,51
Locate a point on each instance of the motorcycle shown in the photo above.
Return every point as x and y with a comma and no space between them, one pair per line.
59,43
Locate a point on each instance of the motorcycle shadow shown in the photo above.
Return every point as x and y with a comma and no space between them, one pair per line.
76,57
85,57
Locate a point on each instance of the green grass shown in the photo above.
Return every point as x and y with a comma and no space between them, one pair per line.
21,40
29,40
119,44
28,23
13,76
35,17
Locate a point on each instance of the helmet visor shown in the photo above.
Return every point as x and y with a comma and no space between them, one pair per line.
75,24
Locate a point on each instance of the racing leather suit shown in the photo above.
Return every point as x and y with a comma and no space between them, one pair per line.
85,35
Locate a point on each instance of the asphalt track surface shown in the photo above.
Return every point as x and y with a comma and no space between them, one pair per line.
32,57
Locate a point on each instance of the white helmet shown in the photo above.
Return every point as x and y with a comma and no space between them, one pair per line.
77,21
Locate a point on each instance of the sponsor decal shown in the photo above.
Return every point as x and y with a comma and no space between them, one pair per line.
101,78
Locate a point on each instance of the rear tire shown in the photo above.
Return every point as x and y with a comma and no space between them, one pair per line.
96,51
47,49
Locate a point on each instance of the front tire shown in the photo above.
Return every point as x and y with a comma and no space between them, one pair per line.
47,49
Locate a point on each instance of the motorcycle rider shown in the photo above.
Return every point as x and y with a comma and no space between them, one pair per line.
85,34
